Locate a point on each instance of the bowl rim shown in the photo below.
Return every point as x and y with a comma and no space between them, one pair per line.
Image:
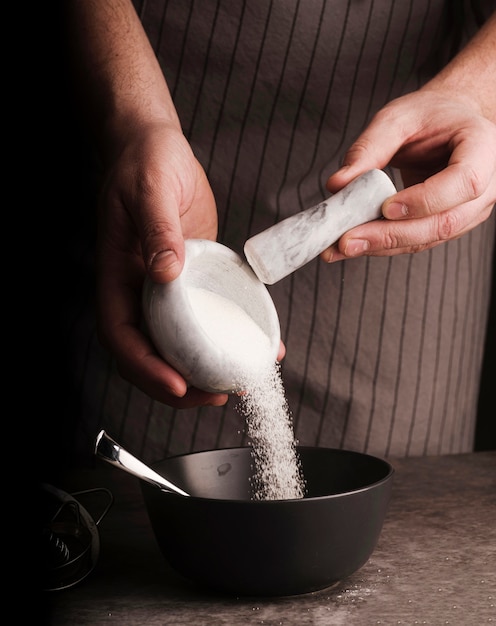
293,501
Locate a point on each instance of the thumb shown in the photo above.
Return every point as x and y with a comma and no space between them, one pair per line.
166,264
360,157
162,245
376,146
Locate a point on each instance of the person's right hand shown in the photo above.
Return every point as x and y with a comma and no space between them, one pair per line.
155,195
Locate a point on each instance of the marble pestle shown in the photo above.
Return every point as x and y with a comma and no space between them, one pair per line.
288,245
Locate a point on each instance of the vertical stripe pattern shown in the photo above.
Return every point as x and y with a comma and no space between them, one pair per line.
383,354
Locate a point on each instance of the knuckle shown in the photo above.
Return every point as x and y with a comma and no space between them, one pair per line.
388,113
155,229
361,147
447,225
147,181
420,247
431,202
473,185
390,241
476,185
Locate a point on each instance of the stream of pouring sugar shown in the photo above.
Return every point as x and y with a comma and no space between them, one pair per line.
277,472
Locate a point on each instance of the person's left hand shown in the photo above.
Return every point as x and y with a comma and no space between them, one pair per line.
446,151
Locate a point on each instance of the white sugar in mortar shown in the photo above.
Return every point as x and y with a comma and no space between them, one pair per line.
276,467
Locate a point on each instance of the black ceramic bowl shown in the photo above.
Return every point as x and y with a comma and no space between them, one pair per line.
220,538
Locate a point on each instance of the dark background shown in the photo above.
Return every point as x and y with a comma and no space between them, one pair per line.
485,436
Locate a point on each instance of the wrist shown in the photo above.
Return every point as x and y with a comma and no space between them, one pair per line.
452,96
469,77
127,127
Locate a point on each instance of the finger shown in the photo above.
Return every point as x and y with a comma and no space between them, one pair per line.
193,398
388,237
332,254
119,287
150,373
145,364
162,244
468,176
374,148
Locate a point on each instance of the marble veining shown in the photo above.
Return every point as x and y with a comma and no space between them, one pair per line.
176,330
288,245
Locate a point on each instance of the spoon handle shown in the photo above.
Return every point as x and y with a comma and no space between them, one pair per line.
109,450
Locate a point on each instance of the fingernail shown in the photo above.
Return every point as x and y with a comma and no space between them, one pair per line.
163,261
355,247
395,210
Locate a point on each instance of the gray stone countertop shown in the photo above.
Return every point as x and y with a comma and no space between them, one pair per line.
435,562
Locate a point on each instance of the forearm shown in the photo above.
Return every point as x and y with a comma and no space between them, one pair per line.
117,79
471,75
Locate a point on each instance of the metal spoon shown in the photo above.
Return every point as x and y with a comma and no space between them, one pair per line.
109,450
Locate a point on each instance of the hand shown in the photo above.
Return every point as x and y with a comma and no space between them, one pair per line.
156,194
446,152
